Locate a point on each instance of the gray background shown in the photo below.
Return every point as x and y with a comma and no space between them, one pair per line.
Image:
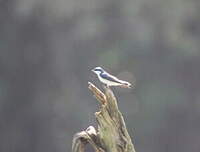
48,47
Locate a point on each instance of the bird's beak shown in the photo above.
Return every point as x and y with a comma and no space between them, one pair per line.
92,70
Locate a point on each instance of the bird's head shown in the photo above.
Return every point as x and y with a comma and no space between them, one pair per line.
97,70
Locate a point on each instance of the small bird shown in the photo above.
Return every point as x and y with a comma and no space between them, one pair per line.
109,79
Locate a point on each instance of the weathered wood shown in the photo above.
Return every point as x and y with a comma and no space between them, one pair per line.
111,135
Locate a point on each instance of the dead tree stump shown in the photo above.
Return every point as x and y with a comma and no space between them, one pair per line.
111,134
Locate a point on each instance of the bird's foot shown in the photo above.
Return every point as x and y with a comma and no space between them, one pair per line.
105,86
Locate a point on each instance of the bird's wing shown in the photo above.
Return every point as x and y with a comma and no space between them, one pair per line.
109,77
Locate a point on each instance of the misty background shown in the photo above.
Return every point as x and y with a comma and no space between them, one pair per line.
48,47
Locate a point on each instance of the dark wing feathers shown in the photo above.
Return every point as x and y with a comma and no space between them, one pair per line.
108,77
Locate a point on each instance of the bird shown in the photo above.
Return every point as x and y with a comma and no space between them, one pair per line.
108,79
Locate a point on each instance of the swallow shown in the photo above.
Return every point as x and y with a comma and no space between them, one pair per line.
108,79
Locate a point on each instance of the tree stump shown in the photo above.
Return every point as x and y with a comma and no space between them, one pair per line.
111,134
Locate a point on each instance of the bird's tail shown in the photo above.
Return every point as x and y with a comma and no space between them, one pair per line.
125,84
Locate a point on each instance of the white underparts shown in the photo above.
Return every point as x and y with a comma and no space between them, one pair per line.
109,83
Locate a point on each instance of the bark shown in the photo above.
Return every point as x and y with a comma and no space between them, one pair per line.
111,134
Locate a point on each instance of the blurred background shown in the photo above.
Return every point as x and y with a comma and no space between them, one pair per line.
48,47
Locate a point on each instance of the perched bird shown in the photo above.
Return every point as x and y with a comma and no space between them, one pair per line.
109,79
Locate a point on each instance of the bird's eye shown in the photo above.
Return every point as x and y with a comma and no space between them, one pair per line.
97,70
